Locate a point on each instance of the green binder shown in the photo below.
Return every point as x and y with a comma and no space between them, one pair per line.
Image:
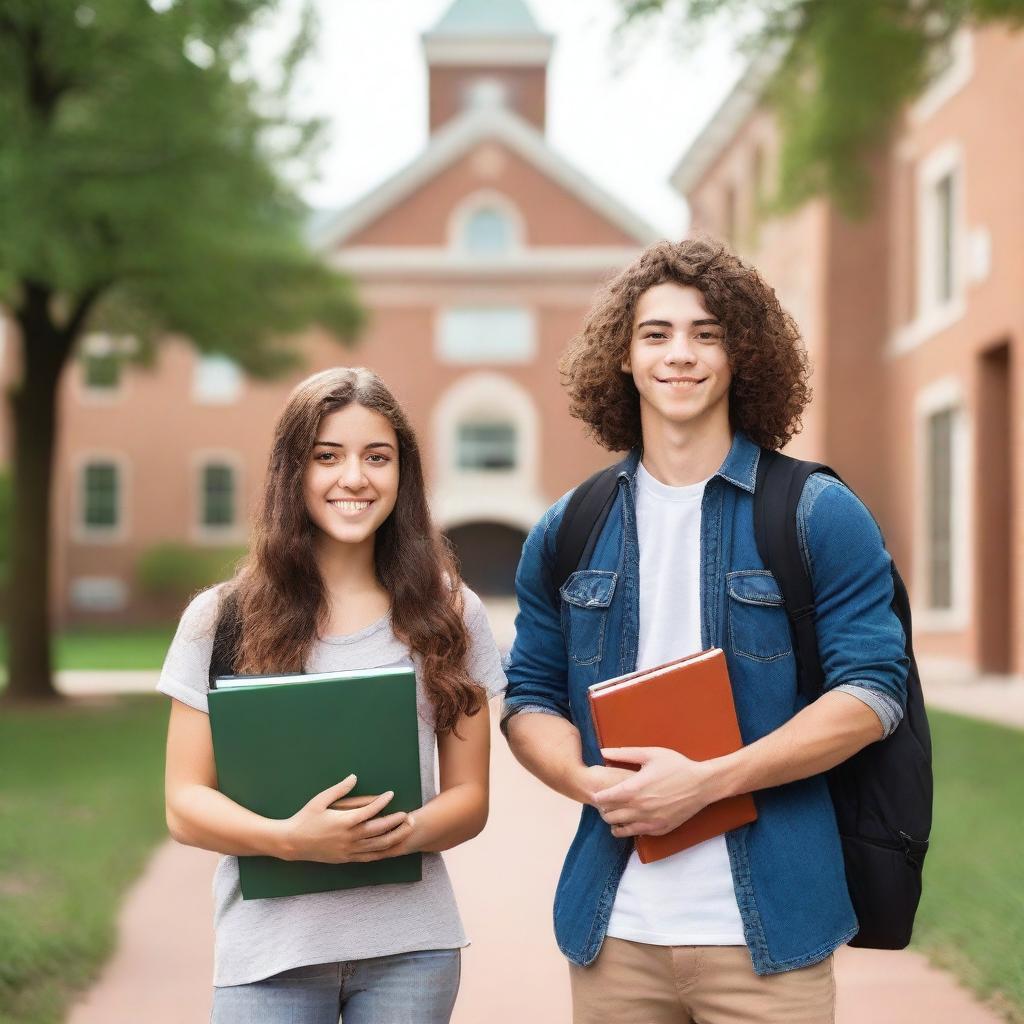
280,740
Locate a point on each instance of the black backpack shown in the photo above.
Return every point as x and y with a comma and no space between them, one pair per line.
883,794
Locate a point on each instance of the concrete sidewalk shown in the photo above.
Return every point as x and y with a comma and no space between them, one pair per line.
513,972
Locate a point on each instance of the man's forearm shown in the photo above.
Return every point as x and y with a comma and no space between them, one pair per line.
824,734
549,747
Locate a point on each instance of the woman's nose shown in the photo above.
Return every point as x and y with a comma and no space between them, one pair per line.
352,475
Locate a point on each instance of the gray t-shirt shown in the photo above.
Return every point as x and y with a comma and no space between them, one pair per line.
258,938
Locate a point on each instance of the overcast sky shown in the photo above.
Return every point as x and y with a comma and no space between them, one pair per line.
622,111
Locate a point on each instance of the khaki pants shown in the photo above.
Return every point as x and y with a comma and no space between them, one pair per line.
637,983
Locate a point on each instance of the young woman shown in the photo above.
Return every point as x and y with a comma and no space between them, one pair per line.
345,571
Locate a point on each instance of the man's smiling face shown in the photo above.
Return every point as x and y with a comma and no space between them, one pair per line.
677,356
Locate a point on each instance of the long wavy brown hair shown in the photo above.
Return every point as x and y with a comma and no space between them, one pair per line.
770,370
277,602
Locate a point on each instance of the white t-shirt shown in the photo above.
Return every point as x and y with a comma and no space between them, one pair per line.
686,899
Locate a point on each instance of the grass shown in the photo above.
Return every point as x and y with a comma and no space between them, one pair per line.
100,648
971,919
81,806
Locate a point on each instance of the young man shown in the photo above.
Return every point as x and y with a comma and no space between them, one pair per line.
688,361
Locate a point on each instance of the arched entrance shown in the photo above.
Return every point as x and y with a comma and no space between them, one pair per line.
488,555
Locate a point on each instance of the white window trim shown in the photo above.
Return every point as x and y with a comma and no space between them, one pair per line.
99,343
84,534
947,393
950,82
113,609
443,357
214,535
932,317
204,400
485,199
508,496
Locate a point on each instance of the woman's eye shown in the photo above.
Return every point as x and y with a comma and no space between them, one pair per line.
657,336
325,456
709,336
377,460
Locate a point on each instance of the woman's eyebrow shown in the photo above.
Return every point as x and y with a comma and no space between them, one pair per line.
371,444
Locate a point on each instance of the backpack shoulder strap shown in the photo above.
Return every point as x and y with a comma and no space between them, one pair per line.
780,483
582,521
225,641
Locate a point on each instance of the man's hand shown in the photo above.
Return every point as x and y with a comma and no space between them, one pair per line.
592,779
667,790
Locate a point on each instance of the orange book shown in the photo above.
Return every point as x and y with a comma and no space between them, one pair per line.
685,705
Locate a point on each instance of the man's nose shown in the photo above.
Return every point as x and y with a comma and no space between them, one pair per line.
680,350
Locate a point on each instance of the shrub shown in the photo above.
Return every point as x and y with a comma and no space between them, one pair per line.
176,571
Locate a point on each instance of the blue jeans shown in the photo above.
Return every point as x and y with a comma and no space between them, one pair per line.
408,988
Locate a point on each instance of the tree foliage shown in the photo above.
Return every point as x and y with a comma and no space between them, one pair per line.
847,67
140,162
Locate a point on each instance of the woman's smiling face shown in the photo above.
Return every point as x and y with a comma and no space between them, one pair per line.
351,482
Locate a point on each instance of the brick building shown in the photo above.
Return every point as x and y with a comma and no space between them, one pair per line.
914,321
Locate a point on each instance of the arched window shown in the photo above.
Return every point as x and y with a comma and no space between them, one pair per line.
488,231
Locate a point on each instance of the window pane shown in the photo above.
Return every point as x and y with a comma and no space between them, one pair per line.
488,231
102,373
218,496
944,211
940,509
486,446
101,494
217,379
487,335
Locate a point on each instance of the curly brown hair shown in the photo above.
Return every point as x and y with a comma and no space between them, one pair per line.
769,364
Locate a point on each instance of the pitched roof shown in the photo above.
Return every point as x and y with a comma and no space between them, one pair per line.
478,123
486,18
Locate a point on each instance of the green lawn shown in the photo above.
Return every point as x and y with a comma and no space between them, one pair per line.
972,913
81,805
100,648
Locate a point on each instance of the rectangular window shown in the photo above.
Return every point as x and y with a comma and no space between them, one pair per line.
944,199
218,496
486,334
217,380
102,372
940,509
486,446
101,504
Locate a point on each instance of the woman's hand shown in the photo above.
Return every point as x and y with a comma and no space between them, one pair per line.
320,832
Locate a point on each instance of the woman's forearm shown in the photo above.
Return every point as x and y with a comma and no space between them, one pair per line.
204,817
454,816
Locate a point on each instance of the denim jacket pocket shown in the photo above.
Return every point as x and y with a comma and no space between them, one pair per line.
758,625
586,595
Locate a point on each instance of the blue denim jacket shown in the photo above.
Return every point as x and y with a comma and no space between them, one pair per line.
787,866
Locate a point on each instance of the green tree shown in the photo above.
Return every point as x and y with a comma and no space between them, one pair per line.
846,69
145,187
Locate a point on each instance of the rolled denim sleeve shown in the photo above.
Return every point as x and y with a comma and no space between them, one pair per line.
537,663
860,638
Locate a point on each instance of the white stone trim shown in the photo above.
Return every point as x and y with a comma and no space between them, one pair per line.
947,393
933,316
443,50
485,199
504,497
80,532
453,141
427,261
950,82
198,359
236,533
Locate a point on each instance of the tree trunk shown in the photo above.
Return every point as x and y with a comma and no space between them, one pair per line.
34,424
